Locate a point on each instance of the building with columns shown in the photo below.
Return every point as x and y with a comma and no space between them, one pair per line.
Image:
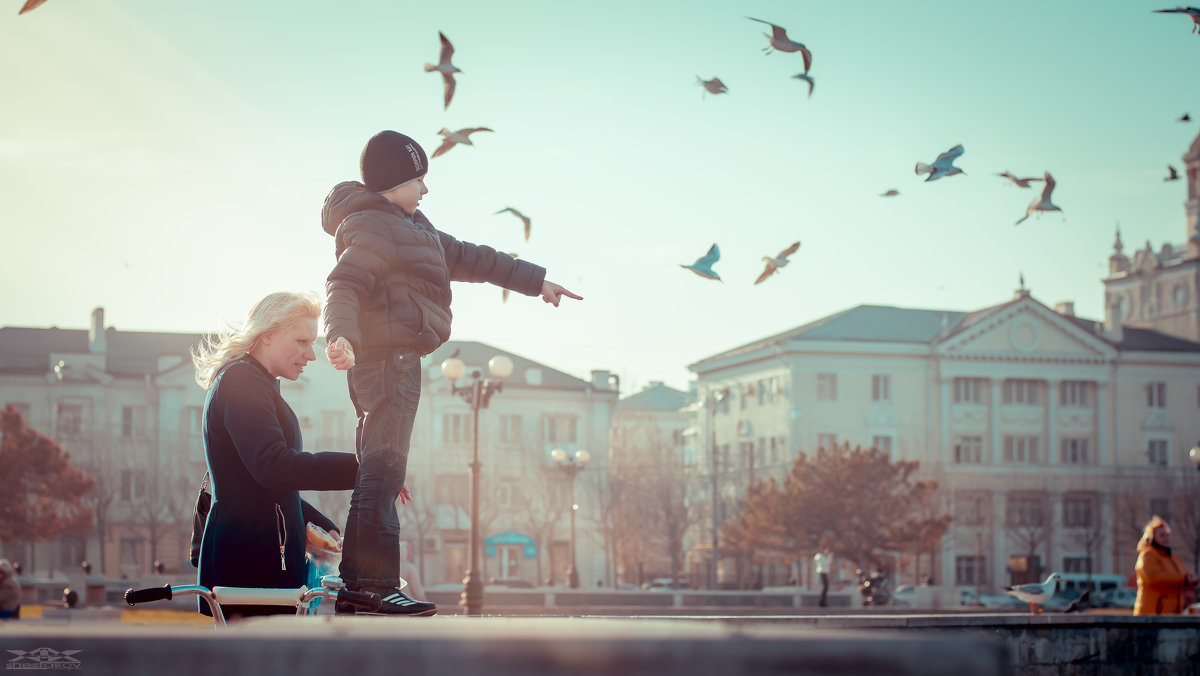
1052,437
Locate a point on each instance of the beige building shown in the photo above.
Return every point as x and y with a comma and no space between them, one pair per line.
1052,437
126,405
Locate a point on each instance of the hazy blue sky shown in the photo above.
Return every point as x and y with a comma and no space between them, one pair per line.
168,160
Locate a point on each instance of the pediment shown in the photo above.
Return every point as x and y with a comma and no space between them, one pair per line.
1025,330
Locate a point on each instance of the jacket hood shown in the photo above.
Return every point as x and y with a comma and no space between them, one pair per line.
347,198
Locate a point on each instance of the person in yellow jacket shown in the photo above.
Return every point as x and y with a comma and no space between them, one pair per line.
1161,577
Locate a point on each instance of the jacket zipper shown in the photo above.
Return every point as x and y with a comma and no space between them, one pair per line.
281,532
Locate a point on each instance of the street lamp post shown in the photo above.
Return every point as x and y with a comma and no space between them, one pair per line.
572,465
1194,454
477,395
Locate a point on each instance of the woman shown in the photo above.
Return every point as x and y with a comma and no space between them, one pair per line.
255,533
1161,577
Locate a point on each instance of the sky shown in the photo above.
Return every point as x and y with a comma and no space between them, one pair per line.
168,161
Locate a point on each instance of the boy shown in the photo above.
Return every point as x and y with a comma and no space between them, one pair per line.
388,304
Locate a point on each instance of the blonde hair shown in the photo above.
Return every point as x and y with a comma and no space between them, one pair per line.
1147,540
277,311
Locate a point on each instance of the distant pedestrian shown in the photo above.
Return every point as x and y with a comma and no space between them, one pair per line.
1161,577
821,562
10,591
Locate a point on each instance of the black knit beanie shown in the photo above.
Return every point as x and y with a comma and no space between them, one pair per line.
391,158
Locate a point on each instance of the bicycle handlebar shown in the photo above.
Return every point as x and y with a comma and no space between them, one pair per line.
134,596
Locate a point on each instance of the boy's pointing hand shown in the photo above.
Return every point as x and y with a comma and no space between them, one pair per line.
552,293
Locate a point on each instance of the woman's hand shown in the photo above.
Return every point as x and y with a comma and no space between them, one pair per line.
340,354
405,496
553,293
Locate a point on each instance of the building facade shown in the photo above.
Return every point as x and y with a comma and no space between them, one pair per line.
127,407
1053,438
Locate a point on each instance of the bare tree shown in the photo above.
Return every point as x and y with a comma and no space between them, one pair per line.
1029,528
420,514
162,504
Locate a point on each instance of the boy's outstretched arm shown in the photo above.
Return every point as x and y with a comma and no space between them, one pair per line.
553,293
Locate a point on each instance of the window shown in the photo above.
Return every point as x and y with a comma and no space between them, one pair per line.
1074,451
510,429
131,488
969,570
826,441
333,429
508,494
1021,450
773,454
1156,395
70,420
971,509
456,428
760,388
1074,393
131,552
194,420
71,551
1079,511
133,422
1022,392
1025,510
827,386
1077,564
968,450
881,388
1160,507
968,390
1156,452
883,443
561,429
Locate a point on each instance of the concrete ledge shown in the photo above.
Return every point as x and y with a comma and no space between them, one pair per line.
363,646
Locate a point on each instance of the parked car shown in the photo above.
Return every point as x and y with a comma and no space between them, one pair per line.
511,583
904,595
664,584
1121,597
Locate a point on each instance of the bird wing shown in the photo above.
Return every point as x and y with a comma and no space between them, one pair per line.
717,81
504,210
789,251
713,255
950,155
807,58
774,28
446,145
1177,10
472,130
768,270
448,80
806,78
1049,187
30,5
447,50
1171,173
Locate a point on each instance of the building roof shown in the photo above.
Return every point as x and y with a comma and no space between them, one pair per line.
655,397
888,324
474,353
132,353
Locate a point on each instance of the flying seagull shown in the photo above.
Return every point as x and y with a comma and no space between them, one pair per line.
1192,12
806,78
446,68
523,217
703,264
1035,593
890,193
1020,182
773,264
713,86
1042,203
779,40
30,5
453,138
1185,118
1172,175
942,166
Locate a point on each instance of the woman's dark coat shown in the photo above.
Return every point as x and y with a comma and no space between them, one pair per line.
254,451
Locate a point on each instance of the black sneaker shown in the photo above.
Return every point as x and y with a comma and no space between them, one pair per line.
392,601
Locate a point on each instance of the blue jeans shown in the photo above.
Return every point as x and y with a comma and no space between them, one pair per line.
385,389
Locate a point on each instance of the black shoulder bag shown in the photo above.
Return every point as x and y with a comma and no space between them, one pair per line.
199,518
